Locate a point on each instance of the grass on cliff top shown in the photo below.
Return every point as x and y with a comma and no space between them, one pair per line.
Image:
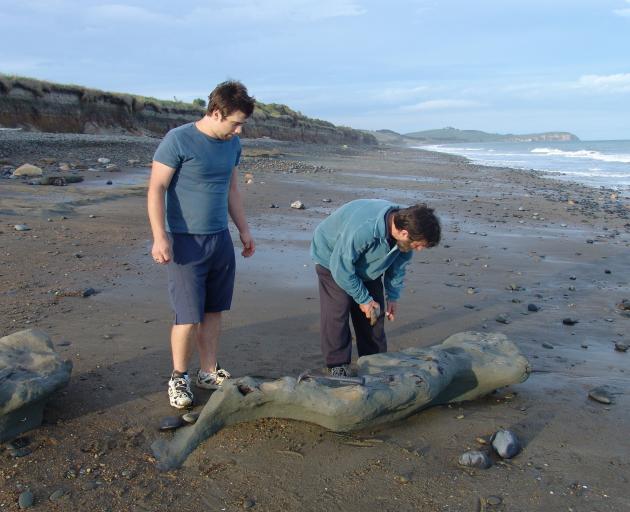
41,87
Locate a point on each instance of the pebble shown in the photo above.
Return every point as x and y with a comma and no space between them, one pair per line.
506,444
621,347
21,227
475,459
249,503
26,500
493,500
601,394
273,205
171,422
532,307
58,494
547,345
190,417
326,200
108,182
298,205
103,161
569,321
503,318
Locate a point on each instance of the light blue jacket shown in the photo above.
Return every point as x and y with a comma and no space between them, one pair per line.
353,244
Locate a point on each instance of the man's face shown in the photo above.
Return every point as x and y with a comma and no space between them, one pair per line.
226,127
407,245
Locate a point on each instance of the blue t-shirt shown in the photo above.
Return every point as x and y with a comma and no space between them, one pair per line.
197,197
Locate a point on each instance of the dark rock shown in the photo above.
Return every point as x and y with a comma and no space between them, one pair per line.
569,321
532,307
26,500
249,503
547,345
171,422
621,347
190,417
506,443
475,459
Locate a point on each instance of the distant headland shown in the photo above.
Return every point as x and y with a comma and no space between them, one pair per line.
453,135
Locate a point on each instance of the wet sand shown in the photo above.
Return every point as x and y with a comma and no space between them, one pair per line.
509,239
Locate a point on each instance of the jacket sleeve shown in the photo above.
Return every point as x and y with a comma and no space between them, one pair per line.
348,249
395,275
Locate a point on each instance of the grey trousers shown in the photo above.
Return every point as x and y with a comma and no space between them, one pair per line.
335,306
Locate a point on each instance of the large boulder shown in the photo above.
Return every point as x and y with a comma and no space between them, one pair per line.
30,371
389,387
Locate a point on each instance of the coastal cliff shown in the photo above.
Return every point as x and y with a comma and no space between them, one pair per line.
35,105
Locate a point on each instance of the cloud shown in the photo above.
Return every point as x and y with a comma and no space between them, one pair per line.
126,14
441,105
623,12
277,11
619,82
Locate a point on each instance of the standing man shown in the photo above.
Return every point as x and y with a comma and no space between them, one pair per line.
193,187
362,244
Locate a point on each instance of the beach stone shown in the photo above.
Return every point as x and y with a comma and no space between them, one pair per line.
64,166
103,160
547,345
326,200
25,500
21,227
171,422
248,503
506,443
569,321
475,459
272,205
108,182
621,347
30,371
503,318
493,500
57,495
601,394
298,205
28,170
112,168
533,308
190,417
624,305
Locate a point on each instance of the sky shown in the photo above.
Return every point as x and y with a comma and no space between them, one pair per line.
503,66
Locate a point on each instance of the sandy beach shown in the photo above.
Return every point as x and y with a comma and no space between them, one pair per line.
510,239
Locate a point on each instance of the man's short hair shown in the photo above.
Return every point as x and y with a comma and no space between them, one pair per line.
421,223
229,97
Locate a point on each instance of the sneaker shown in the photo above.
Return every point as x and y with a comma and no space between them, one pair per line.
179,393
340,371
212,380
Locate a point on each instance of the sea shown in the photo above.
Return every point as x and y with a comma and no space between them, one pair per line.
597,163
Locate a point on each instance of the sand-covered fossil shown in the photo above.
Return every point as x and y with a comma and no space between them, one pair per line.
395,385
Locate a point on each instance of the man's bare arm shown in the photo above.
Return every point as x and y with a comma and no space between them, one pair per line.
159,181
237,212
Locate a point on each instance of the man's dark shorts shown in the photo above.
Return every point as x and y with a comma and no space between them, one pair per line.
201,275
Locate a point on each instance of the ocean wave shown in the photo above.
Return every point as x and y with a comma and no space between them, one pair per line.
584,153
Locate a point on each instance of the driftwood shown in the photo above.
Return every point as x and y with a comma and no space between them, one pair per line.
395,385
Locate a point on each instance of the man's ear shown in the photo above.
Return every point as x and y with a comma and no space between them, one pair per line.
404,234
215,115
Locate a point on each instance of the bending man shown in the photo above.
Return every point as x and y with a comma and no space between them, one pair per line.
364,244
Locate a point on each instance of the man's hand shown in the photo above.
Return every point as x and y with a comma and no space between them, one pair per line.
249,246
391,310
368,307
161,251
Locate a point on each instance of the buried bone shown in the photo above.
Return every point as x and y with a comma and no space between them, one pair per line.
395,385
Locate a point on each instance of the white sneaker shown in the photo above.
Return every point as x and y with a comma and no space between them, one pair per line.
212,380
179,393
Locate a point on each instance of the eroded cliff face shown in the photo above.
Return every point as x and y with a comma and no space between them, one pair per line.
39,106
